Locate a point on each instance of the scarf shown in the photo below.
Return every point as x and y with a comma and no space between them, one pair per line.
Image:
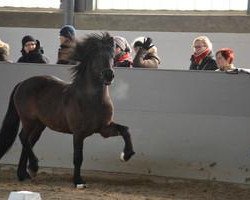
199,57
122,57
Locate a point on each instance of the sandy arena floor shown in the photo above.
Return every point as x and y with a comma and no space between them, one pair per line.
54,184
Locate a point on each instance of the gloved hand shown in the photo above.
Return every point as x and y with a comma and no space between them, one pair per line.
147,44
38,47
38,44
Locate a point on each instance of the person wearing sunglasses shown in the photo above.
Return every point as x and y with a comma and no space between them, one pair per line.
31,51
202,57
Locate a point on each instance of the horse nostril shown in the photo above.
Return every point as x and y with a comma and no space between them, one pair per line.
108,75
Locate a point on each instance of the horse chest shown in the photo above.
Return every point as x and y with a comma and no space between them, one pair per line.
98,111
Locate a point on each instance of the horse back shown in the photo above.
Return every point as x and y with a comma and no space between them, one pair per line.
41,98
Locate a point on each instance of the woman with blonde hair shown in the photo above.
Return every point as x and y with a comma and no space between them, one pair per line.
4,51
202,58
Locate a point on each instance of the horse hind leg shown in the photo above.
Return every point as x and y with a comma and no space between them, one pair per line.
115,130
22,174
33,161
28,139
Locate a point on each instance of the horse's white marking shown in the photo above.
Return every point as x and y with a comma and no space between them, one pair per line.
122,157
81,186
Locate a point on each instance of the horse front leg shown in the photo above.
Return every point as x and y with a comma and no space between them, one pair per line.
78,159
115,130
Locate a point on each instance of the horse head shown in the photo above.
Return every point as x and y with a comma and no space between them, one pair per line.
96,56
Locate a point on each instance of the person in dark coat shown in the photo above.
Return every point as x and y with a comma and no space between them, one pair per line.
67,43
145,53
202,58
123,56
32,52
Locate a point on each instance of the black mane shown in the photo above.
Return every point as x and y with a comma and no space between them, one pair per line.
89,48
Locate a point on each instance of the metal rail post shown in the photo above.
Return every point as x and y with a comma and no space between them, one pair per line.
68,8
248,7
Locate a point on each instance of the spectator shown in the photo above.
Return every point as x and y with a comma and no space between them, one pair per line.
145,53
202,58
4,51
67,42
122,52
32,52
224,59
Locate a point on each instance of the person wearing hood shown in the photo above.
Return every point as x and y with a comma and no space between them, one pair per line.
67,43
202,58
4,51
145,53
123,56
31,51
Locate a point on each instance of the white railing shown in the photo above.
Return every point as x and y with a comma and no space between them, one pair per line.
139,4
173,4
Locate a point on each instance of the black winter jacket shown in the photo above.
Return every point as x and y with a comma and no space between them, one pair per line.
35,56
208,63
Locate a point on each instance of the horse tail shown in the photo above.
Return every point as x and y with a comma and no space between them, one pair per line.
10,126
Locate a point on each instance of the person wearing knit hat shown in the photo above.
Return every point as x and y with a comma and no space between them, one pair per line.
4,51
68,31
145,53
67,42
31,51
122,52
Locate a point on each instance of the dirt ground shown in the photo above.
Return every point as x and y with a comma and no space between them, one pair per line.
55,184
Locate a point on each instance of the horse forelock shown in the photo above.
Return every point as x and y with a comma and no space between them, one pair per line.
87,50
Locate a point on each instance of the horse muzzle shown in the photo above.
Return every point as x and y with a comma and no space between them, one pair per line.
107,76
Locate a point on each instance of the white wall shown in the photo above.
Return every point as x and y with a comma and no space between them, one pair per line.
174,48
183,124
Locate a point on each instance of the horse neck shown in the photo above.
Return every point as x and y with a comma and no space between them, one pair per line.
87,87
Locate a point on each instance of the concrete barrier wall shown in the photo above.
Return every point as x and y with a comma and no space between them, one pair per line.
183,124
174,48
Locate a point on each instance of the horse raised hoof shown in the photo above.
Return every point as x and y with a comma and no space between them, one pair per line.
81,186
126,156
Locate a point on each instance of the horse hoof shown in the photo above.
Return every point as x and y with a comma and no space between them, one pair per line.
81,186
23,176
32,173
125,157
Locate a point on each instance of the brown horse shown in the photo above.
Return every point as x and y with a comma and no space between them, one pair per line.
81,108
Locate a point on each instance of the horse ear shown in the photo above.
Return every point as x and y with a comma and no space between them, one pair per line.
109,40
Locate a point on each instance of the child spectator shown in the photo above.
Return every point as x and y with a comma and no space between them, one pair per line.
202,58
122,52
145,53
67,42
32,52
